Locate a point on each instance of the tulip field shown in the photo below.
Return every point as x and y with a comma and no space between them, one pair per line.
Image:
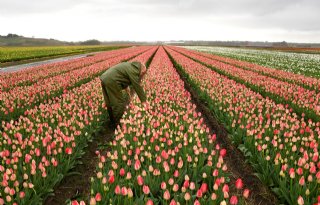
164,151
295,62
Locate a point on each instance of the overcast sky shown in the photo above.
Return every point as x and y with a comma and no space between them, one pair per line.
149,20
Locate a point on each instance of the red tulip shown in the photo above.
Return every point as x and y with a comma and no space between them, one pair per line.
239,183
98,197
186,184
74,202
68,150
199,193
111,179
223,152
204,187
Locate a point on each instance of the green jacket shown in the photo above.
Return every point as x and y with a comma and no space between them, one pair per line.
125,74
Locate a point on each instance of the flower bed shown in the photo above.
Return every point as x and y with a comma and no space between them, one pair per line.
163,153
282,147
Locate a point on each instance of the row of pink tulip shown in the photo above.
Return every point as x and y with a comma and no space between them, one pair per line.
36,150
18,100
163,153
283,148
303,100
302,80
41,146
31,75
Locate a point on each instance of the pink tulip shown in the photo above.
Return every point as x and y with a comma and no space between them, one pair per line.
300,200
246,193
130,193
302,181
137,165
92,201
166,195
22,194
146,189
124,191
173,202
122,172
163,185
187,196
117,190
196,202
175,187
234,200
213,196
225,188
140,180
27,158
149,202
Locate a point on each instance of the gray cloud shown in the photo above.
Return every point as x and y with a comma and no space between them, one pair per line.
290,16
287,14
21,7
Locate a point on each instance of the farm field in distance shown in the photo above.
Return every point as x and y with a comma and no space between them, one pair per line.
14,54
220,126
296,62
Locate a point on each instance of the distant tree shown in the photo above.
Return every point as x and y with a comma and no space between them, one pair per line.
280,44
10,35
91,42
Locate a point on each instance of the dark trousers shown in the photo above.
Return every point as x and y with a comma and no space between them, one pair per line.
114,100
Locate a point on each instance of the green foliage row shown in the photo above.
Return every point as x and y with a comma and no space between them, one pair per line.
10,54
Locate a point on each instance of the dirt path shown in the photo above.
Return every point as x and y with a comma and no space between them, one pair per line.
259,193
39,62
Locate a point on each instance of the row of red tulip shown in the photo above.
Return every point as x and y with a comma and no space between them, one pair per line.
284,148
163,153
41,146
18,100
302,80
303,100
31,75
